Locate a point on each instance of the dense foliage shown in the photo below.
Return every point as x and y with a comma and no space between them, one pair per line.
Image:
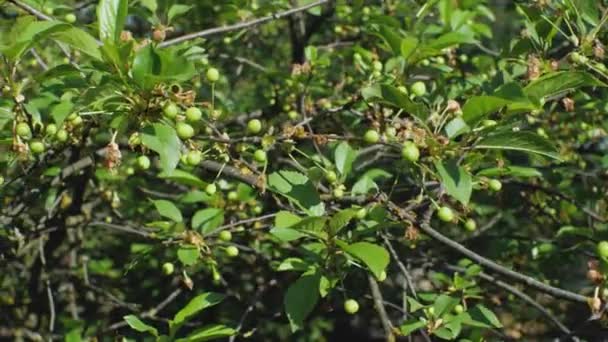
187,170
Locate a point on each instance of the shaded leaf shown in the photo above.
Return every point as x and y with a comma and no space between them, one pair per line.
300,299
168,209
519,141
456,180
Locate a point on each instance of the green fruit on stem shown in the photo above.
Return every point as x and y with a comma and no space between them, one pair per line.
70,18
602,249
331,176
361,213
211,189
143,162
168,268
193,114
470,225
292,115
51,129
36,146
445,214
170,110
382,276
418,88
233,196
458,309
254,126
338,193
48,10
62,135
495,185
377,65
23,130
225,235
194,158
371,136
351,306
260,156
213,75
184,130
410,151
232,251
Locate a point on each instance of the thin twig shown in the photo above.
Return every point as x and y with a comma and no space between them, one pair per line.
379,305
49,294
241,25
402,268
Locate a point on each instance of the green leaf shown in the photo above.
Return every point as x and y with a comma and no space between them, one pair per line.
519,141
344,155
182,177
146,63
285,219
25,33
137,325
111,16
293,264
314,225
286,234
411,325
390,95
209,332
444,304
80,40
168,209
478,107
375,257
514,171
391,37
444,333
557,82
408,46
61,111
482,316
195,305
208,219
300,299
188,255
177,10
163,140
457,181
450,39
299,189
456,127
341,220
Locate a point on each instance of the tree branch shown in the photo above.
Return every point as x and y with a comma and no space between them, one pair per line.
379,305
241,25
528,281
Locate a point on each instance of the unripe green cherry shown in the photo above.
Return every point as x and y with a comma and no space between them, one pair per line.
371,136
292,115
254,126
193,114
418,88
62,135
351,306
331,176
194,158
233,196
602,249
232,251
470,225
361,213
36,146
260,156
338,192
143,162
170,110
225,235
458,309
213,75
168,268
184,130
211,189
445,214
51,129
377,65
382,276
23,130
410,151
495,185
48,10
70,18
